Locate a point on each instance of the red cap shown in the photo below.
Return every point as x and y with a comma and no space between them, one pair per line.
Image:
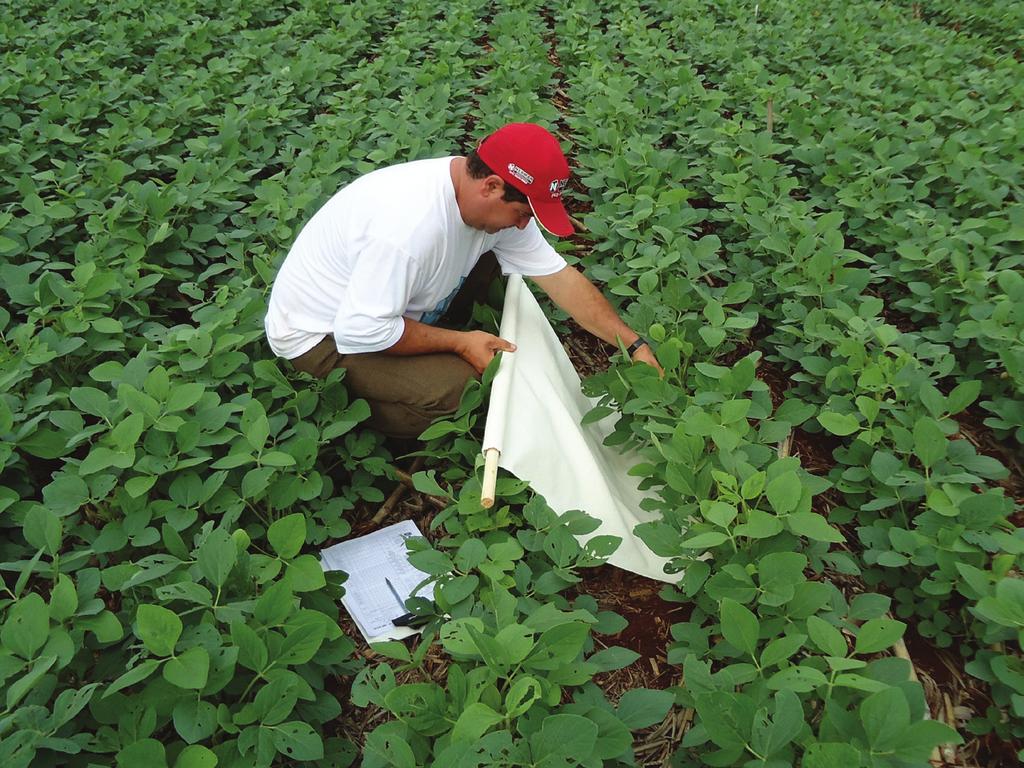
528,157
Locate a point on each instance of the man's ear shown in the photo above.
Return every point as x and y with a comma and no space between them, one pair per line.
493,185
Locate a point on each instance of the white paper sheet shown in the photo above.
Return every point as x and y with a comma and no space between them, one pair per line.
534,421
368,560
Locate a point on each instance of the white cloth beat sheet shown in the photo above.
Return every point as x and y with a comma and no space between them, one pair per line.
534,421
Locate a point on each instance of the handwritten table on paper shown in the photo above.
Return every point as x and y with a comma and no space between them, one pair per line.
369,560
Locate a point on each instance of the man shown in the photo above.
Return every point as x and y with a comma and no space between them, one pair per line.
378,265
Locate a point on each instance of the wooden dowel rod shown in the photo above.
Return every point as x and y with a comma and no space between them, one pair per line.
490,477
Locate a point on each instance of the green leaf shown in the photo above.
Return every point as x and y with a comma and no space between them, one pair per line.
784,492
841,424
559,645
101,458
521,695
885,716
358,411
255,425
276,700
194,719
146,753
780,649
515,642
393,649
304,635
641,707
158,628
932,399
829,639
288,534
474,722
456,638
66,494
470,554
125,435
298,741
185,396
70,702
195,756
831,755
566,736
431,561
739,626
962,396
855,681
930,443
869,605
919,739
424,482
277,459
104,626
137,486
616,657
878,634
275,604
753,486
797,679
256,482
787,722
43,529
704,540
613,737
759,525
188,670
813,526
27,626
134,675
386,746
19,688
63,598
216,556
459,588
718,512
6,415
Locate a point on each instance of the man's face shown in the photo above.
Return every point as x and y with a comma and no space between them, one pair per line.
504,215
494,214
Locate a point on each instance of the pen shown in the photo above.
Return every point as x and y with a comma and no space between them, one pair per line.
394,592
405,619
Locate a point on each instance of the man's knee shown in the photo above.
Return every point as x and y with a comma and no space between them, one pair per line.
437,399
443,395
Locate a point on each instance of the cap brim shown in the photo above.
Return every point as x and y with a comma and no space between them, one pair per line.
552,216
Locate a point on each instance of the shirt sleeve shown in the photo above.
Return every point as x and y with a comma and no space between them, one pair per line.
526,252
370,316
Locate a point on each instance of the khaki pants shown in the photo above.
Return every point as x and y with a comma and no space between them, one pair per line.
406,393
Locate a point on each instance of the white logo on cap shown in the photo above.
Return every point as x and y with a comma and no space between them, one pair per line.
557,186
520,174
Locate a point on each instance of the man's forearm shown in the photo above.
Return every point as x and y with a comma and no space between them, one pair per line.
419,339
575,294
475,347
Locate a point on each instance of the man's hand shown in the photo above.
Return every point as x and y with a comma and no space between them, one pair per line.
646,355
478,348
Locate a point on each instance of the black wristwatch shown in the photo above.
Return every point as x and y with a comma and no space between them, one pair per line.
640,341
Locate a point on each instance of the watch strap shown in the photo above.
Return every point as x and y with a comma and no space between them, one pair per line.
632,348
